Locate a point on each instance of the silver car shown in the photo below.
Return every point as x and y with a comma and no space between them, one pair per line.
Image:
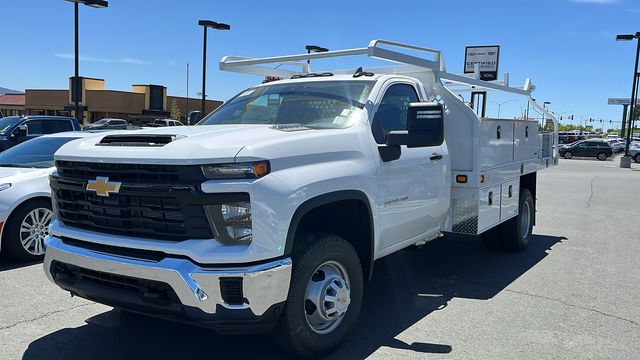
25,196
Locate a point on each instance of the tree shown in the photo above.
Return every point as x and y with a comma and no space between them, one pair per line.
175,110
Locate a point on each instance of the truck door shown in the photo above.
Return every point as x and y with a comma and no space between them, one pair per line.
413,190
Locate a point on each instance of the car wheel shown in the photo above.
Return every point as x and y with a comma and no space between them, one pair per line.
324,298
602,156
515,233
637,158
568,154
25,230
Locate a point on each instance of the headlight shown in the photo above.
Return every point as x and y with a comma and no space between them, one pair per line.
231,222
5,186
246,170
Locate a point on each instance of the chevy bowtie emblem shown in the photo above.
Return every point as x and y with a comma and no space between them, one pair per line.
102,186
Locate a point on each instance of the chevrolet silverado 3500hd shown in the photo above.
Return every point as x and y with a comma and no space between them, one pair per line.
270,213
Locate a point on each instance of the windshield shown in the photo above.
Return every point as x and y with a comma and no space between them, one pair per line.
7,122
35,153
321,104
101,122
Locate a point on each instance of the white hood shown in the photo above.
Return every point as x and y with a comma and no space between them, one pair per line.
13,175
198,145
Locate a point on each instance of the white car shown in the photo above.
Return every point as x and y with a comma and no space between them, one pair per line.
25,195
616,145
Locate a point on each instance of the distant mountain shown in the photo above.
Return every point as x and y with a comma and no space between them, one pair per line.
4,91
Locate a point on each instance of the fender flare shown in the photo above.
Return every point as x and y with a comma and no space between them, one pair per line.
326,199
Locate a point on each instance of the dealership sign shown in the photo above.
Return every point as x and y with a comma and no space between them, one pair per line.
622,101
486,57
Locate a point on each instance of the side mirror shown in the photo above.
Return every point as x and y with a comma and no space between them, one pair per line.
21,130
425,127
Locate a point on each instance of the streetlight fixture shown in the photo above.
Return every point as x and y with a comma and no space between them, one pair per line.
314,49
502,103
625,161
205,25
76,81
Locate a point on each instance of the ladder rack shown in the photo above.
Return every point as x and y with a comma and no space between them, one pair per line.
406,64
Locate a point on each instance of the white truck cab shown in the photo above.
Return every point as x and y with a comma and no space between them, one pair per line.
270,213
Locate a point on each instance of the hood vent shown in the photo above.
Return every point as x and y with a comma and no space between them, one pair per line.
138,140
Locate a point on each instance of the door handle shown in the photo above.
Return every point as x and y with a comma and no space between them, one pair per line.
435,157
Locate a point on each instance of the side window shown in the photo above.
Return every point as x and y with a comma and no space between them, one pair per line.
34,127
392,111
56,126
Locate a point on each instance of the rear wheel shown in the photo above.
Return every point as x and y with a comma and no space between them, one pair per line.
602,156
516,232
324,298
25,230
568,154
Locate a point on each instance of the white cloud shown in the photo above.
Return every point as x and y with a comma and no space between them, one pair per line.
131,61
83,58
601,2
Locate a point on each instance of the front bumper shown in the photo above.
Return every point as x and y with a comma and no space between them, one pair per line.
171,287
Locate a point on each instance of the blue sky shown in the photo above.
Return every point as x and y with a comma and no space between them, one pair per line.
568,47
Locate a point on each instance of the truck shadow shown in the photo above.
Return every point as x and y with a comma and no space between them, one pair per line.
406,287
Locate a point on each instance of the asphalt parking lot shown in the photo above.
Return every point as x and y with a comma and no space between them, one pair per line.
573,295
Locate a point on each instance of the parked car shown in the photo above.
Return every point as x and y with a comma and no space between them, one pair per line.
164,122
18,129
25,196
634,152
113,124
616,145
587,148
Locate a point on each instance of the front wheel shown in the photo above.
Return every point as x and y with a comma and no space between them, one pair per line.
602,156
568,154
324,298
25,230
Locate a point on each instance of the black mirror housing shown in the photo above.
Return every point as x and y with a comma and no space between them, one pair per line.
425,126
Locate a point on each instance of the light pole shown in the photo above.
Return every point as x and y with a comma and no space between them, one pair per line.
217,26
502,103
544,106
315,49
625,161
76,81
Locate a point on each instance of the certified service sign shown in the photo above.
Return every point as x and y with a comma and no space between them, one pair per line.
487,57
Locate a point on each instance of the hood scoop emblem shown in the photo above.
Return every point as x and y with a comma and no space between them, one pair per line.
151,140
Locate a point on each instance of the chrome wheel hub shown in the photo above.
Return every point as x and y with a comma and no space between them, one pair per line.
327,297
33,229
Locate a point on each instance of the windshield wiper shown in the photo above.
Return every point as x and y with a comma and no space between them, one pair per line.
15,165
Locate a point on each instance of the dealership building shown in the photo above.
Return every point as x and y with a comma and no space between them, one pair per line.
142,104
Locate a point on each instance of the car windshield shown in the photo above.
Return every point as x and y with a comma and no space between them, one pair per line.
35,153
101,122
315,104
7,122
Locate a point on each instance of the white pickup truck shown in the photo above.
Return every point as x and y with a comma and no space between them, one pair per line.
270,214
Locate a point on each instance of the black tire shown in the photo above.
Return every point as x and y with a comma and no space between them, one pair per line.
568,155
293,331
11,244
514,233
602,156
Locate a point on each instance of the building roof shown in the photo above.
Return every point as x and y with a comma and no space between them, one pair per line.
4,91
12,100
